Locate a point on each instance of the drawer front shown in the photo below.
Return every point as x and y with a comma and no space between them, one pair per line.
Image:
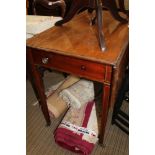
84,68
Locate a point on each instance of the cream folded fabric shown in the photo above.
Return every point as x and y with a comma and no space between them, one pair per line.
56,105
36,24
78,94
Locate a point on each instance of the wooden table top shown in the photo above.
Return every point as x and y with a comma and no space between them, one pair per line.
78,39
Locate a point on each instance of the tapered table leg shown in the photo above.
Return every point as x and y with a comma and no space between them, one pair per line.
38,83
104,114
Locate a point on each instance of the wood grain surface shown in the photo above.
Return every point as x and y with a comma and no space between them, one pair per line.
77,38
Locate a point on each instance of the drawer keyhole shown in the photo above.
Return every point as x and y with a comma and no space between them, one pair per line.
83,67
44,60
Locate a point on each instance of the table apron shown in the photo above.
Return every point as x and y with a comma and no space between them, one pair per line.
84,68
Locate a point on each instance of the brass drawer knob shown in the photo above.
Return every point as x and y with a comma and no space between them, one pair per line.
44,60
83,67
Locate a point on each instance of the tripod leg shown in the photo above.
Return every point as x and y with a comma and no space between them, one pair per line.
75,7
111,5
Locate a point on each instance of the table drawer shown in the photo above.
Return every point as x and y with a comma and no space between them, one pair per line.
68,64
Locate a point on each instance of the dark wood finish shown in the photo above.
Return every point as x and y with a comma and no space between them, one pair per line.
38,83
122,7
118,75
74,49
112,7
105,108
77,5
29,7
41,7
119,117
50,5
72,65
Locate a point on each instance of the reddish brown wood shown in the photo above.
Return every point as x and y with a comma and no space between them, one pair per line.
108,74
88,69
105,107
78,39
118,75
97,4
84,68
39,85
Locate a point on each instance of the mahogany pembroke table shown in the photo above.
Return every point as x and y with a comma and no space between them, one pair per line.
73,48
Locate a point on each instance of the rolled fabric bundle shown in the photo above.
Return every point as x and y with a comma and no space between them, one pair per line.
78,94
78,131
56,105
